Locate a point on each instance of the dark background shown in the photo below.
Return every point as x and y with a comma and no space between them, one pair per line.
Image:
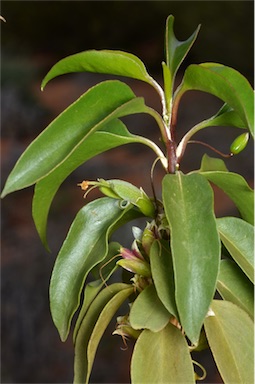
35,36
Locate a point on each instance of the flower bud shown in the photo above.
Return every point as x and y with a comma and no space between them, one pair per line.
239,143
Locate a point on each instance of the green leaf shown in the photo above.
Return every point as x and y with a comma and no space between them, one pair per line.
163,275
209,164
101,61
102,103
226,116
236,187
234,286
223,82
85,246
148,312
93,288
104,319
114,134
195,245
230,335
93,325
161,356
176,50
238,237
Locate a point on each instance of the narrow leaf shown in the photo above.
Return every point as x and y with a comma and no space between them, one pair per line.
223,82
234,286
163,275
101,61
236,187
104,319
85,246
100,104
148,312
93,288
229,332
160,357
176,50
87,326
238,237
195,245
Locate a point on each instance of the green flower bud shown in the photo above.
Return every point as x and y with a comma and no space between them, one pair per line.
239,143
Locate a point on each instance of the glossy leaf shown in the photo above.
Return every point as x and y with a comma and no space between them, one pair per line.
97,318
238,237
161,356
101,61
163,275
236,187
92,289
85,246
103,321
229,332
223,82
176,50
226,116
111,136
234,286
102,103
195,245
148,312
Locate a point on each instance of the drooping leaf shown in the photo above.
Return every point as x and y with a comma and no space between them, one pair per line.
85,246
234,286
236,187
160,357
104,319
113,135
148,312
176,50
100,104
229,330
238,237
93,288
195,245
101,61
89,323
223,82
163,275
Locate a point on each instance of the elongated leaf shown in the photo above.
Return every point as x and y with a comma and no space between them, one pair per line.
161,357
234,286
104,319
230,335
84,247
99,105
236,187
223,82
148,312
113,134
93,288
176,50
195,246
87,326
101,61
163,275
238,237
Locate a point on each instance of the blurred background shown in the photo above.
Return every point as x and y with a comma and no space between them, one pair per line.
36,35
